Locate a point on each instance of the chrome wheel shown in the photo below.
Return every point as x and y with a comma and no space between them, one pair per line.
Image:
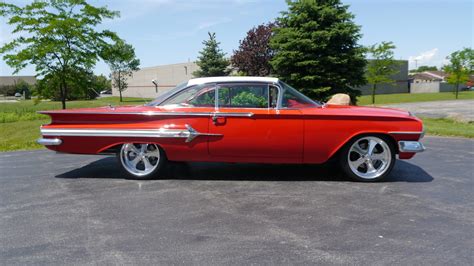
369,157
140,159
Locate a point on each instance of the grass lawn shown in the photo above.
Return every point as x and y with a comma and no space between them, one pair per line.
21,135
448,127
416,97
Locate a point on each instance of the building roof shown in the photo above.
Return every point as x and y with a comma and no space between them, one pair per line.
437,74
12,80
196,81
425,76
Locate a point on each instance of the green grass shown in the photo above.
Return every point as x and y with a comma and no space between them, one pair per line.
20,135
448,127
382,99
26,110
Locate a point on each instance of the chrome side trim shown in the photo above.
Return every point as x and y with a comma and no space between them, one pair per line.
406,132
410,146
49,142
233,114
188,133
149,113
154,113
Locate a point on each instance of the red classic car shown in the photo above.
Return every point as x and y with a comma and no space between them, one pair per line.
238,119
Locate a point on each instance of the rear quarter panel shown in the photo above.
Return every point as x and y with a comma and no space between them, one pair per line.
176,148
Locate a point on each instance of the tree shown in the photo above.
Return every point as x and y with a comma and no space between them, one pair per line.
212,61
82,85
382,66
316,49
460,67
58,37
424,68
254,53
122,62
101,83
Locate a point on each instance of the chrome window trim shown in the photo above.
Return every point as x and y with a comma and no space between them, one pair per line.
188,132
280,96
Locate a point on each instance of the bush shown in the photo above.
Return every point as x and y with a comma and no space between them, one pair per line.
248,99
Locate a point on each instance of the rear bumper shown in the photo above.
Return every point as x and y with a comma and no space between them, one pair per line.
49,142
410,146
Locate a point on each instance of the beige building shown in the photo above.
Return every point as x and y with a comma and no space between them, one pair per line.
12,80
166,76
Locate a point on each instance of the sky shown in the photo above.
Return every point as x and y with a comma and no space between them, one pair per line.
172,31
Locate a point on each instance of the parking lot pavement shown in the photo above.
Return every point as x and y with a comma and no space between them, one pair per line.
461,110
70,209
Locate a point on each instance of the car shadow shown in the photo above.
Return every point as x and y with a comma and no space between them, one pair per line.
109,168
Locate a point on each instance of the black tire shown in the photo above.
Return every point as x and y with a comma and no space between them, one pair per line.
157,161
347,155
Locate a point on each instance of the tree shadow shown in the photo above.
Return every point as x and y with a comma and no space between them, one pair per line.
109,168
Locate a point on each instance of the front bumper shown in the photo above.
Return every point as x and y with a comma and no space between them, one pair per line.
49,142
410,146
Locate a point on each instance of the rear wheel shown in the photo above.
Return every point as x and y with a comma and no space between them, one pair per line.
368,158
141,160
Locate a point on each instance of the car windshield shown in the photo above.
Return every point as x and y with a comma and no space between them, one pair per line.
294,99
158,100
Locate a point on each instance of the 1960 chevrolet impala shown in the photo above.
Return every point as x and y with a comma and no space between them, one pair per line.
238,119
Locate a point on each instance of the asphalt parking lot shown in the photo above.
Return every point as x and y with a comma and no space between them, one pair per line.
69,209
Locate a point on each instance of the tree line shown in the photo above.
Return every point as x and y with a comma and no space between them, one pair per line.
313,46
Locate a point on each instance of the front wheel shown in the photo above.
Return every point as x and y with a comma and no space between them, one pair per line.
141,160
368,158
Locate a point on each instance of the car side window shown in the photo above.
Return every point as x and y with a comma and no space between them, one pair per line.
195,96
244,95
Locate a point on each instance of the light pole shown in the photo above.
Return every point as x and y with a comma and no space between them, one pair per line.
156,85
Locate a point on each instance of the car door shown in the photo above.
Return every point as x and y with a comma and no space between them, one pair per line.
252,128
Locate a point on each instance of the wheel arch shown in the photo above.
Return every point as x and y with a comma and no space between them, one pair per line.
114,148
335,153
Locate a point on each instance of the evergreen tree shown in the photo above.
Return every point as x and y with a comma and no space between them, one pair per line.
316,49
212,61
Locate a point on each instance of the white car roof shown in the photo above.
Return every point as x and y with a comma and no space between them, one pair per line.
197,81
